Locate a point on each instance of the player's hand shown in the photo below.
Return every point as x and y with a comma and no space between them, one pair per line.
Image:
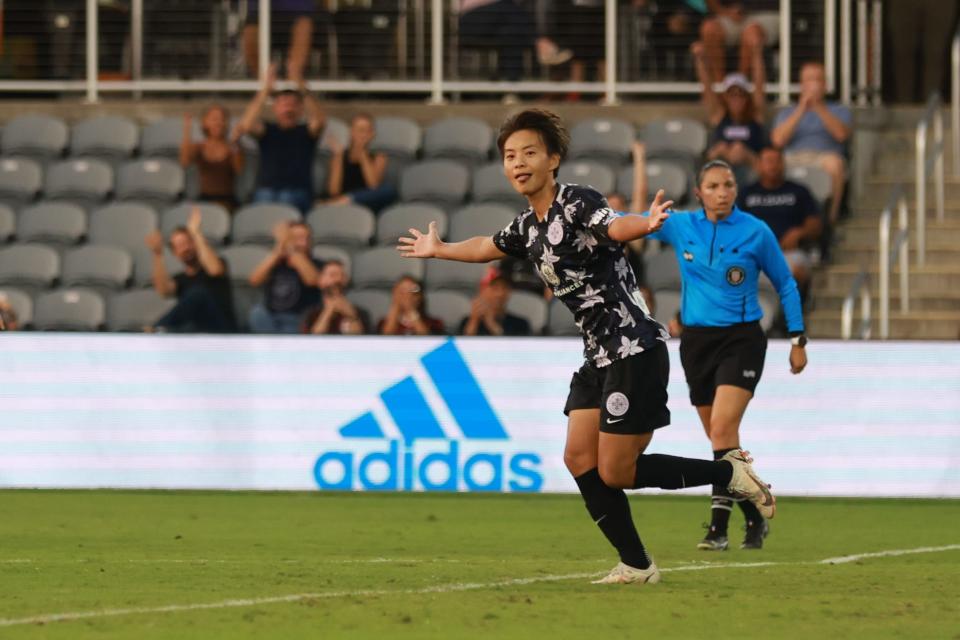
658,212
798,359
154,242
421,245
193,221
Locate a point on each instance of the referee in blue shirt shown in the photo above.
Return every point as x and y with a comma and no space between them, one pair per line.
721,251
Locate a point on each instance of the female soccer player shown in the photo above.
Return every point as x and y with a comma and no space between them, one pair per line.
721,251
619,396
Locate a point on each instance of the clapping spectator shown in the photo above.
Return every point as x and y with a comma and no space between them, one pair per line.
289,277
335,315
291,21
408,312
356,173
752,24
219,159
204,298
489,316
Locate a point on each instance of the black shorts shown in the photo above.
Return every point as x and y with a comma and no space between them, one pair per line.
630,393
712,356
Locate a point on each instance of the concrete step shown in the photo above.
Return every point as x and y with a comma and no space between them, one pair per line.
926,325
864,231
832,300
931,278
849,252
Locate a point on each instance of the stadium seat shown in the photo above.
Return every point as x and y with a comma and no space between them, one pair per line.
382,267
350,225
661,174
399,138
69,310
449,306
561,322
442,182
375,302
589,174
124,224
673,136
143,266
20,181
97,267
460,276
109,138
606,140
531,307
241,261
397,221
662,270
320,176
86,182
56,223
466,140
479,220
815,179
39,137
327,252
135,310
155,181
667,305
161,138
254,223
491,185
22,305
214,220
30,267
8,224
770,304
336,129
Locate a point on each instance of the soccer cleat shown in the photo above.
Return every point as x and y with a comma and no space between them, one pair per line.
625,574
746,484
713,541
756,532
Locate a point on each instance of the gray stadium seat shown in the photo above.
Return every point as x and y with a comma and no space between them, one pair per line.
531,307
143,266
84,181
667,304
36,136
321,172
254,223
111,138
461,276
458,138
56,223
22,305
155,181
350,225
337,129
382,267
442,182
124,224
214,220
673,136
770,304
397,220
326,252
135,310
589,174
815,179
242,261
161,138
69,310
608,140
29,266
397,137
8,223
20,181
662,270
561,322
491,185
479,220
97,267
449,306
376,302
661,174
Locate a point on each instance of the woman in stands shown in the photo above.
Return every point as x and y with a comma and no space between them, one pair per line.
357,174
721,251
408,315
218,158
618,398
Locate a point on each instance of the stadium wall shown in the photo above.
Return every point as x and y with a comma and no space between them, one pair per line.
301,413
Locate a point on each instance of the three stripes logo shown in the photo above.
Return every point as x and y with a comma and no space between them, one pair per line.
425,456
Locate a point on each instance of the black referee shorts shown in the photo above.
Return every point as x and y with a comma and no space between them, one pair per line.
712,356
631,393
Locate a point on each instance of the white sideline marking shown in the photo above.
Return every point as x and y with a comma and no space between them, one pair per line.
447,588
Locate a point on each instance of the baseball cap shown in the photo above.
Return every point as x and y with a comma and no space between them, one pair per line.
734,80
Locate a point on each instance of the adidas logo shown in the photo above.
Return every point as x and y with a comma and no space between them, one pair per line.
425,457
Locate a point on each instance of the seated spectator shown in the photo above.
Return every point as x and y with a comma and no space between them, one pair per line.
292,22
204,297
219,159
8,316
335,315
523,276
489,316
788,209
357,174
814,132
289,277
287,146
751,24
408,312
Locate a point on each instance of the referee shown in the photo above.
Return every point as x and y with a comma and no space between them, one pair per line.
721,251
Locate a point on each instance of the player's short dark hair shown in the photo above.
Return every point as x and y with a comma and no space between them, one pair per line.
713,164
546,123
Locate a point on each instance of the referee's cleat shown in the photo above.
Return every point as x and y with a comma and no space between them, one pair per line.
746,484
625,574
756,532
714,541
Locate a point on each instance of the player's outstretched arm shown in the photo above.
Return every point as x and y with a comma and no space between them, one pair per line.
634,226
429,245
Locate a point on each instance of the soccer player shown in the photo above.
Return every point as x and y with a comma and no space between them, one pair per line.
721,251
619,396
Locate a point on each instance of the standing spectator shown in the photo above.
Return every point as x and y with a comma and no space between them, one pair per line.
292,22
408,312
814,131
204,298
788,209
357,174
918,37
752,24
289,279
581,29
489,316
287,146
219,159
335,315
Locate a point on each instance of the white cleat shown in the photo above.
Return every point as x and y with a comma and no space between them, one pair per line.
625,574
746,484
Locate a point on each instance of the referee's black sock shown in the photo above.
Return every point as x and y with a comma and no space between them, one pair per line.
672,472
721,503
610,510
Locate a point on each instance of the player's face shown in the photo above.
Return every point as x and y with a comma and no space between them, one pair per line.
718,190
527,164
181,244
299,238
770,166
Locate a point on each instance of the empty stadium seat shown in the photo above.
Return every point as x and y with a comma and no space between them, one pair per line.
143,266
39,137
124,224
460,276
86,182
241,261
29,266
531,307
449,306
336,129
97,267
135,310
491,185
254,223
155,181
667,305
74,309
397,221
561,321
20,181
815,179
327,252
589,174
349,225
8,223
662,270
467,140
479,220
56,223
674,136
214,220
607,140
441,182
661,174
397,137
110,138
161,138
22,305
375,302
382,267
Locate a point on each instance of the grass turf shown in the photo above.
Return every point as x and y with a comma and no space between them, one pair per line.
96,550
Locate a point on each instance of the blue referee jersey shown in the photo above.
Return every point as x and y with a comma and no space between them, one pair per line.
720,264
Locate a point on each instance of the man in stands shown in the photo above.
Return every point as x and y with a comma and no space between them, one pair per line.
489,315
335,315
289,279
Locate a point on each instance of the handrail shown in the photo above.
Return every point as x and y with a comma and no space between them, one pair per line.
933,113
861,288
891,252
955,91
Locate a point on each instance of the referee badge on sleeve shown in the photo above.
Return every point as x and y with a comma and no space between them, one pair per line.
736,276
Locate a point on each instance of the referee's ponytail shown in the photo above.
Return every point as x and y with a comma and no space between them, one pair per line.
713,164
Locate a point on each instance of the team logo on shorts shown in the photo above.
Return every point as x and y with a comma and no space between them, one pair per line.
736,275
617,404
555,232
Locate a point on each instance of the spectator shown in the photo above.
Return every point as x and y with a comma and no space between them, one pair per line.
788,209
335,315
219,160
918,37
292,22
8,315
204,298
581,28
752,24
814,132
287,146
489,316
408,312
357,174
289,279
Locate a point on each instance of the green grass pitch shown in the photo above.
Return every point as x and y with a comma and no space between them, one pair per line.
149,565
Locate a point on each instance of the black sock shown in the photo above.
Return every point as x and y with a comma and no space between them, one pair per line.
610,510
750,512
721,503
672,472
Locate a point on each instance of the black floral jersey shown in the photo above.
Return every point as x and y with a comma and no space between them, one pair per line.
574,255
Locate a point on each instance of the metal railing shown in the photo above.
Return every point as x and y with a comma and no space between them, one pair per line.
891,252
955,99
861,289
928,158
869,36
